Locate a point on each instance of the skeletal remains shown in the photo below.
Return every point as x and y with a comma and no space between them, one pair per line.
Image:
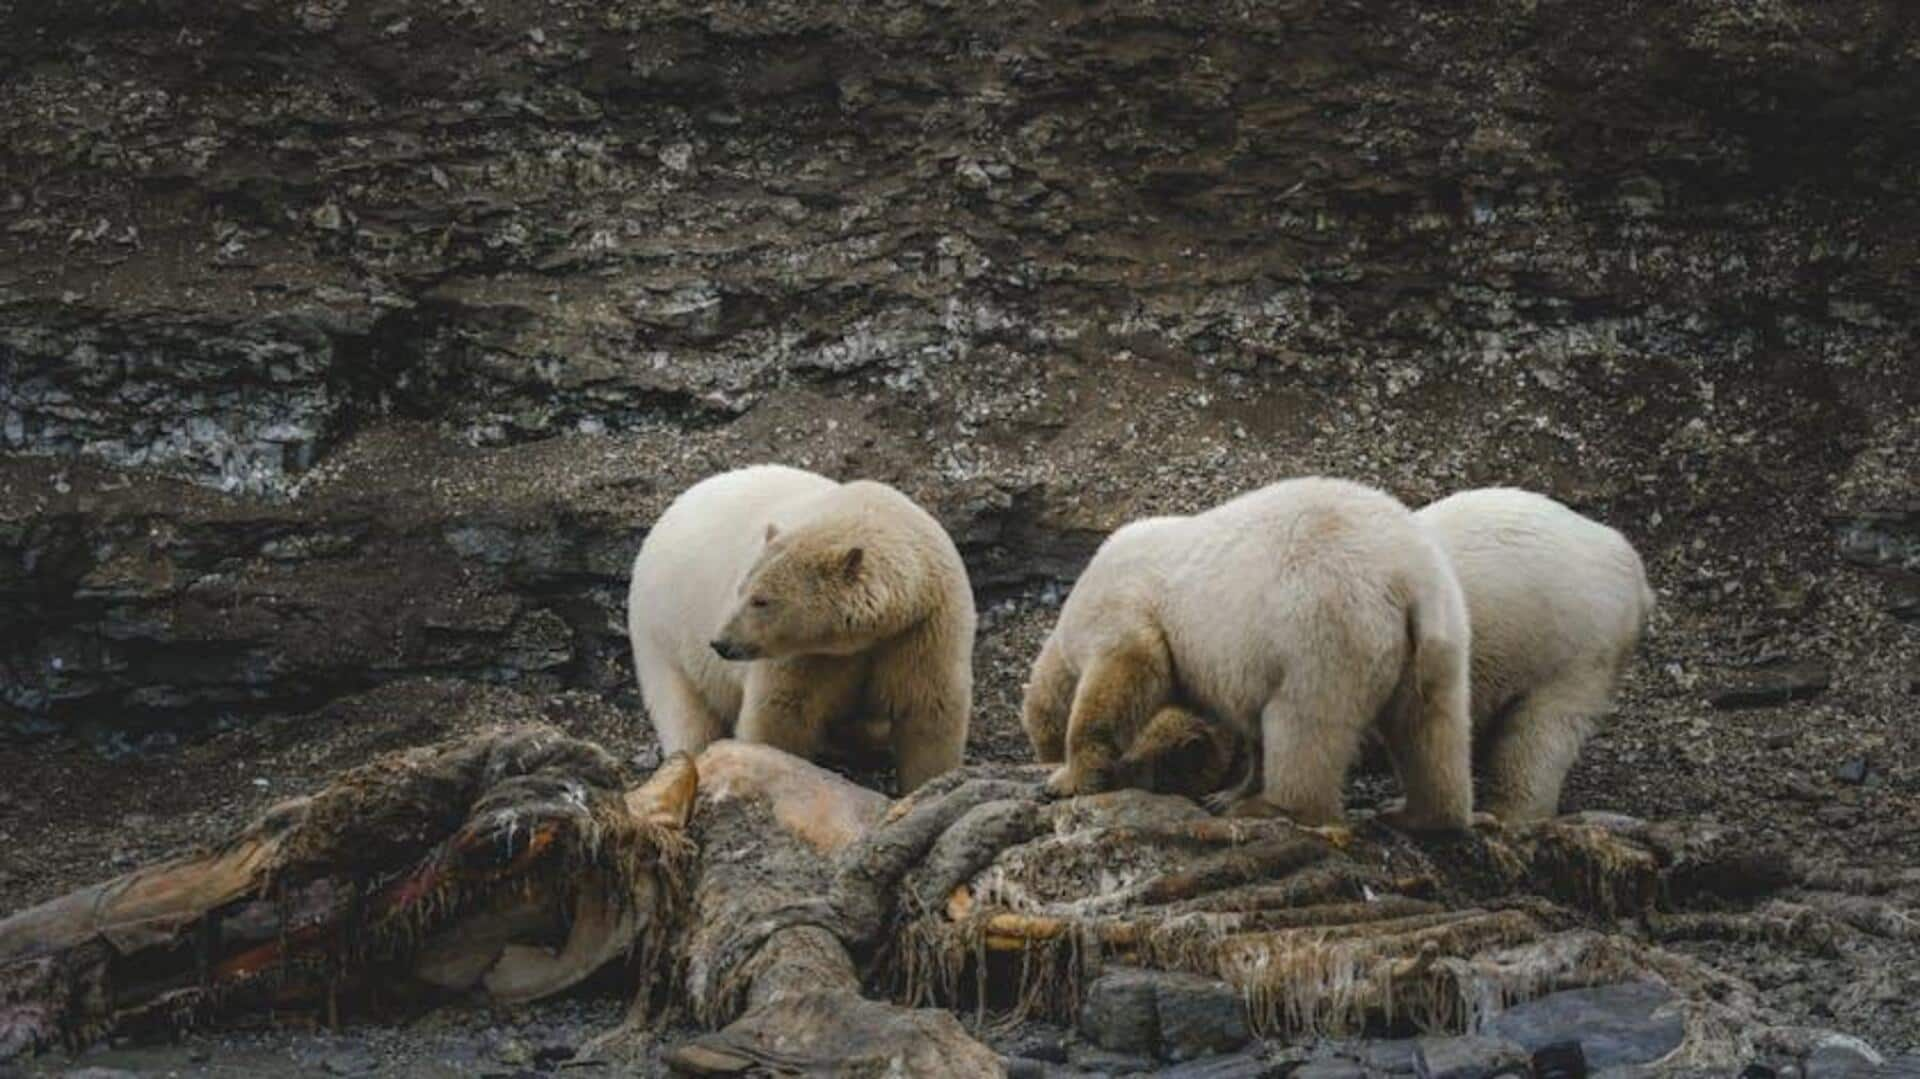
808,924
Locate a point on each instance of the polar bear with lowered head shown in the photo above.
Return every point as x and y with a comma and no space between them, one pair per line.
1305,614
777,606
1558,603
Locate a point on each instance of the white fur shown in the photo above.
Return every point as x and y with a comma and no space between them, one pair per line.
896,666
1558,603
1303,613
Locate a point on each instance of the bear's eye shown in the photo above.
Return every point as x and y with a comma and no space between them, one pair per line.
757,601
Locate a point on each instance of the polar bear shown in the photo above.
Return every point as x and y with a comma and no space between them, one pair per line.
778,606
1557,604
1303,613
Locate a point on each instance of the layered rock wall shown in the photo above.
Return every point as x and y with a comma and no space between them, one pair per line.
341,341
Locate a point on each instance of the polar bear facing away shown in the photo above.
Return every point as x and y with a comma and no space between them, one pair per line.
1557,603
1304,614
775,605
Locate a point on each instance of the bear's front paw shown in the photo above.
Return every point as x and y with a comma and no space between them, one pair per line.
1070,782
1403,820
1254,807
1221,803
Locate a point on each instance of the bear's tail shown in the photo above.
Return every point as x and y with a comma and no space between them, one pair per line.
1649,602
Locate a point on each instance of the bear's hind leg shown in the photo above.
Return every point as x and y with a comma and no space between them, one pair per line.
1047,703
1119,692
680,716
1536,744
1428,730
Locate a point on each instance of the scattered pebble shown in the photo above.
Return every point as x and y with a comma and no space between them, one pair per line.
1770,686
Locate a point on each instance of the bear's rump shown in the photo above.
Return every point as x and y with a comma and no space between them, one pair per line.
1234,668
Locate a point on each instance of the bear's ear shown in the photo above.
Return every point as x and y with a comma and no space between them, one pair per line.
773,531
850,562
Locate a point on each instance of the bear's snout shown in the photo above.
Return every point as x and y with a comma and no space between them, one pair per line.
726,649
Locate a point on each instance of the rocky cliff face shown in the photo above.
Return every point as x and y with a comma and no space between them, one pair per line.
342,342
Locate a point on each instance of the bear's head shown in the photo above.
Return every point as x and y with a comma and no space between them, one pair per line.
812,591
1181,751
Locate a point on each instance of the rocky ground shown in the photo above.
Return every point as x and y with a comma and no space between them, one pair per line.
347,350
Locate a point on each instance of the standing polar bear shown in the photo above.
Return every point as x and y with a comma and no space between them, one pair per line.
1304,614
1558,603
781,607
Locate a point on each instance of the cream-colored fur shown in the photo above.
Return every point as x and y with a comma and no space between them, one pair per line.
1557,603
865,635
1303,613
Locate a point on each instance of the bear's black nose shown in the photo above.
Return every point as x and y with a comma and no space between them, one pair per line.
725,649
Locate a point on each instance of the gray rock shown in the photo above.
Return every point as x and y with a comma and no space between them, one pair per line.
1473,1056
1174,1016
1841,1057
1246,1065
1393,1056
1838,816
1035,1041
513,1051
1853,772
1332,1069
1025,1068
1199,1016
354,1060
1103,1062
1614,1024
1119,1014
1770,686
